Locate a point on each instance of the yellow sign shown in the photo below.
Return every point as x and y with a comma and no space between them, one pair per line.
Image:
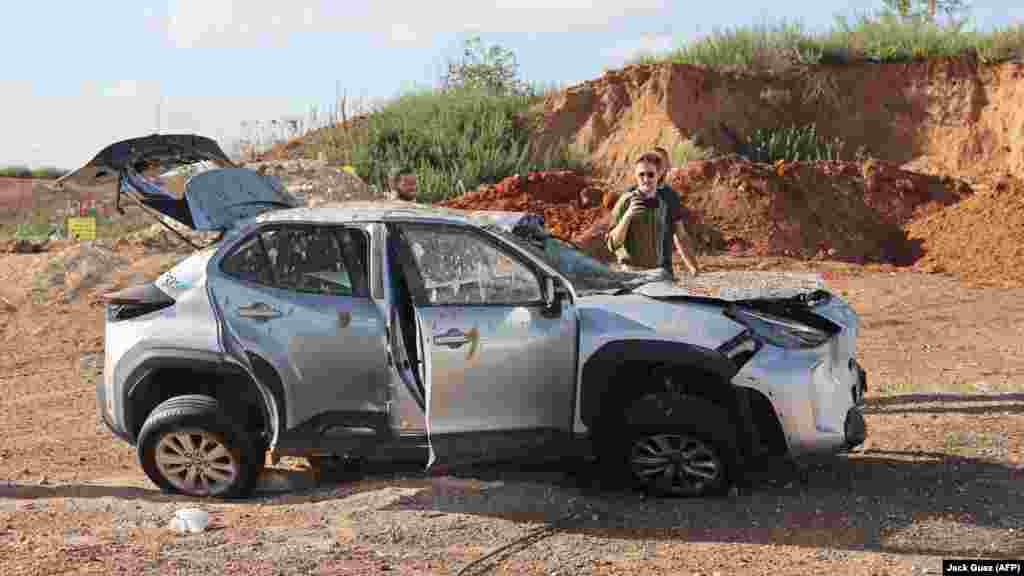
82,228
349,169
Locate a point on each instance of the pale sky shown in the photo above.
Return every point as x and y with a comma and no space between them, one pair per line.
79,76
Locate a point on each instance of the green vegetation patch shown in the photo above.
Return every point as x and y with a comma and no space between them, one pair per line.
48,173
452,140
876,38
793,144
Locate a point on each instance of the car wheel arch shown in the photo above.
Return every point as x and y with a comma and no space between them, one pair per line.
160,377
705,370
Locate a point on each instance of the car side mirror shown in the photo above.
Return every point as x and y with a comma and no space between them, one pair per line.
552,297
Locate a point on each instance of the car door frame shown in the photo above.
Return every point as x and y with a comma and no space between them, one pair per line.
258,361
554,438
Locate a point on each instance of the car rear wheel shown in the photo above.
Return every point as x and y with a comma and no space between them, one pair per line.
189,445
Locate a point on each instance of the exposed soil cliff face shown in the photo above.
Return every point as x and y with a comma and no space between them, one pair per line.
951,117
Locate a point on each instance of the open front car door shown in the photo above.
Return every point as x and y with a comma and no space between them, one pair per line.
499,359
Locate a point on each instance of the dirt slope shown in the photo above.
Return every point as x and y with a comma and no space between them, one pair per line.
944,116
838,210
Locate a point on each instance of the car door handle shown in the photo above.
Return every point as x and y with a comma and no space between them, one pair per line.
258,310
453,339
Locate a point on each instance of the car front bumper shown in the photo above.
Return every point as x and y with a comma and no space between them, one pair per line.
817,396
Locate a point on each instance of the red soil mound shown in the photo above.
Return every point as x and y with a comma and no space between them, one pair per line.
570,203
979,240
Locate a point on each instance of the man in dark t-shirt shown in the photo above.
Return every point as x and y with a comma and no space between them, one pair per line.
646,220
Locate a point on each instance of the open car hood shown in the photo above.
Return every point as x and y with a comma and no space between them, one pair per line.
214,199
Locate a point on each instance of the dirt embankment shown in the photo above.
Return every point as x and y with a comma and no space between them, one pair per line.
846,211
945,116
838,210
928,127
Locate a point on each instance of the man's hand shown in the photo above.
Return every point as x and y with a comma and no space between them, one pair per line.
618,233
685,248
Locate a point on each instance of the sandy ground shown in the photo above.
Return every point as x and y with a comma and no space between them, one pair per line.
940,476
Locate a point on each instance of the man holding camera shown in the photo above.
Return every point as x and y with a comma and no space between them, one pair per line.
647,220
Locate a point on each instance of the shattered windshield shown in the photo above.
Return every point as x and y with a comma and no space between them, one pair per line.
587,274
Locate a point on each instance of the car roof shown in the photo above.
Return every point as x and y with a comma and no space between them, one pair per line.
396,211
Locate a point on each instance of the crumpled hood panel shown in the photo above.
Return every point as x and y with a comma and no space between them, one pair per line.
635,316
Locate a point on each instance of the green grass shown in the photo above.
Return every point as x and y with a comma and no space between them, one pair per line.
453,141
880,38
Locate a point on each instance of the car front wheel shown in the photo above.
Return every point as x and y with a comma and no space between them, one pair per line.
189,445
676,463
677,445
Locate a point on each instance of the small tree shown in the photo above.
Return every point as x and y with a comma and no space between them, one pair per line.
493,69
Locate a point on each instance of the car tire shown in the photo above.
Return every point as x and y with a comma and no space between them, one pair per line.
677,446
189,445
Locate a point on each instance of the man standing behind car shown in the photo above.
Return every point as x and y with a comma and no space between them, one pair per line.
647,220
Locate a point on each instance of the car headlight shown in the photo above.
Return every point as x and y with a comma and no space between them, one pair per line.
779,331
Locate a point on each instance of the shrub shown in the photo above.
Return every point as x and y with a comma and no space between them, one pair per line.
452,140
792,143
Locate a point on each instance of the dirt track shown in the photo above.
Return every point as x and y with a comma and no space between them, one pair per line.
941,475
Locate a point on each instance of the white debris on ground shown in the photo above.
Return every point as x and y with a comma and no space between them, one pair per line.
189,520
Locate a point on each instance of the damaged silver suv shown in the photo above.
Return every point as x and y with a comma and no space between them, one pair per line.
394,331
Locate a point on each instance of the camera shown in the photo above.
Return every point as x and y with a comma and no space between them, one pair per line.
646,202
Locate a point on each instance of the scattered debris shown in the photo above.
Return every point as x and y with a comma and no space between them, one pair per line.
189,520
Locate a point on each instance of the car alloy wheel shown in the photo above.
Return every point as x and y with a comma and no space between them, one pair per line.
675,463
189,445
196,462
